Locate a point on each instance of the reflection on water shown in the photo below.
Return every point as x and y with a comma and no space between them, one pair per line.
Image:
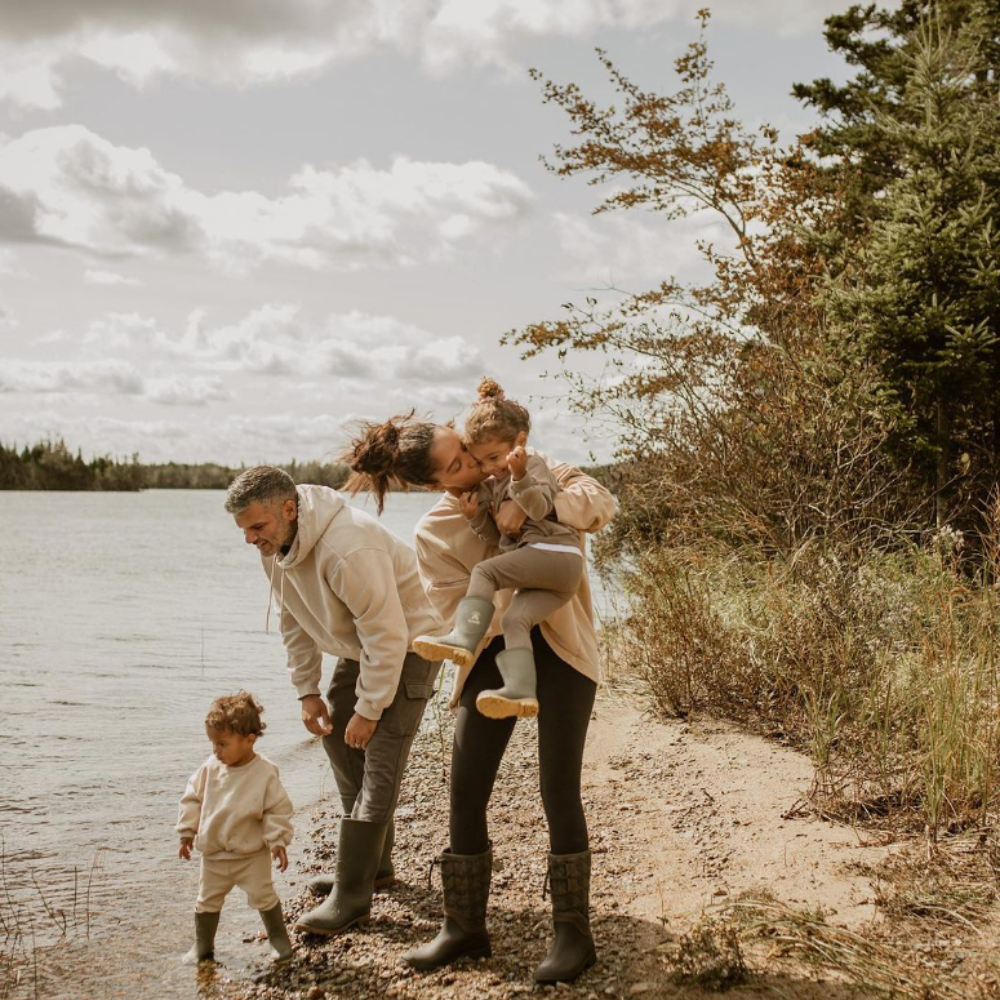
122,617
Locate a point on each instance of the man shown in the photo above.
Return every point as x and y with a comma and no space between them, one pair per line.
348,587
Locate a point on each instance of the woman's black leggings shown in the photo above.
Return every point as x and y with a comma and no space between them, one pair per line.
565,700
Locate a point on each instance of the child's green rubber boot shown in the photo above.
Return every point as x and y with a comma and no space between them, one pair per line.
205,926
277,933
517,698
471,622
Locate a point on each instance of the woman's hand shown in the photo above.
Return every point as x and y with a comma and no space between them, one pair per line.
517,462
185,849
468,504
280,855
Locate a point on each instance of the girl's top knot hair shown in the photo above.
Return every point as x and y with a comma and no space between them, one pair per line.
494,417
490,389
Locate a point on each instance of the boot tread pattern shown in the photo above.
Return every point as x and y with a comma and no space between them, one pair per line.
431,649
495,706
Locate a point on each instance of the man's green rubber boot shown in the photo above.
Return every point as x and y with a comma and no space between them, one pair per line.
349,904
321,885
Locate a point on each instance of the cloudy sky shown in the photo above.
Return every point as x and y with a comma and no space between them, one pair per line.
226,229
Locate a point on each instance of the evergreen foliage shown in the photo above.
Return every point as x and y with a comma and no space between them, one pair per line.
49,465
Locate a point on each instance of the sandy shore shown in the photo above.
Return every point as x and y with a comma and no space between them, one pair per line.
682,816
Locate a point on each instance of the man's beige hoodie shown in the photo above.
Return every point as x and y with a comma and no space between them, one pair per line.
348,587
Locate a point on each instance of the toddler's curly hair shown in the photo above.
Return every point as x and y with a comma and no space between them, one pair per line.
239,713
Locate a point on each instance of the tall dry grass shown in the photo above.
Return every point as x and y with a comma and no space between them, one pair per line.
882,665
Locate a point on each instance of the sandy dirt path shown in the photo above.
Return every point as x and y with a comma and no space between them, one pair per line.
681,815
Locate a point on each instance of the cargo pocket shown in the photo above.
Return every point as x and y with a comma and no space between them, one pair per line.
402,717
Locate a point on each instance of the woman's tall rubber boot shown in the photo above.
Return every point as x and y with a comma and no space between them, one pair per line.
517,698
277,933
205,926
349,904
471,622
465,879
573,949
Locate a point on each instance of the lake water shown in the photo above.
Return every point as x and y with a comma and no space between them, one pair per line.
122,615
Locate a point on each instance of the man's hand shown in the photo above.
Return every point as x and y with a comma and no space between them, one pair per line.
280,855
517,462
359,731
315,716
185,849
468,504
510,518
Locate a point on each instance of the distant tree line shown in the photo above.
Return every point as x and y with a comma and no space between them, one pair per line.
50,465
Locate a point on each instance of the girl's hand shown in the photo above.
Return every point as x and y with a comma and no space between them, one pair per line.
185,849
468,504
280,855
517,462
510,519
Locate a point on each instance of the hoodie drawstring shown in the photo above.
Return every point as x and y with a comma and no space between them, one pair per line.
270,595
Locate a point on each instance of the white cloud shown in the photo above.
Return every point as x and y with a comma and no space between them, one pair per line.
186,391
275,339
266,437
108,376
112,278
95,434
273,40
118,330
69,186
623,251
105,378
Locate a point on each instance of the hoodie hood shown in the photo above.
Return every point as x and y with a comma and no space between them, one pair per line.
318,506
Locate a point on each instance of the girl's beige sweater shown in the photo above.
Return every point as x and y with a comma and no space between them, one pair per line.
448,550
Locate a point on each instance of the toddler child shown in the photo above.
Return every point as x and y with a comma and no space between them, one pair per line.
544,561
237,814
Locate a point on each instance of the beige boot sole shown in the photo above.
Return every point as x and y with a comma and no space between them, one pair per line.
494,706
432,649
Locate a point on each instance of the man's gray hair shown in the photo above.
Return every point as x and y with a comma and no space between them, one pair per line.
262,484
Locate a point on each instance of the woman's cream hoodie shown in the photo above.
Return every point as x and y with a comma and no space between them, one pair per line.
448,550
348,587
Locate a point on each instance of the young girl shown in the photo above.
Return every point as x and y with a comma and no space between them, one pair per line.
237,814
543,561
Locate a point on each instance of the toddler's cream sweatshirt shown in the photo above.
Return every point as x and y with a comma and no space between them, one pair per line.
233,812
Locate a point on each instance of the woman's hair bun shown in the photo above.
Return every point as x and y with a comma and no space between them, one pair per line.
377,454
490,389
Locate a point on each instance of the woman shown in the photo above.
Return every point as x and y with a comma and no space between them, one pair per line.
406,452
